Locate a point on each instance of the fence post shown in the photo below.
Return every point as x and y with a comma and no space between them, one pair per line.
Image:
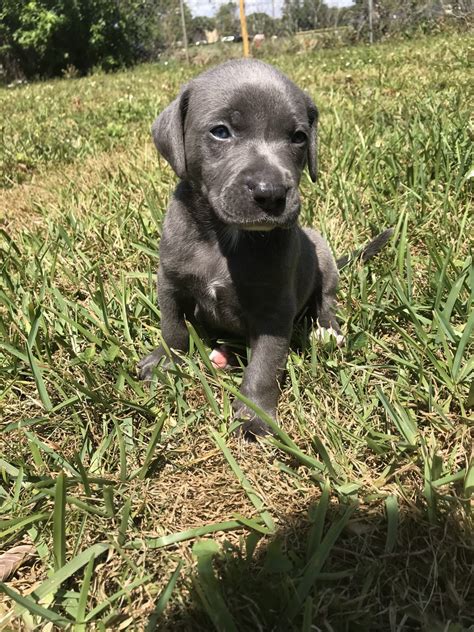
185,35
371,21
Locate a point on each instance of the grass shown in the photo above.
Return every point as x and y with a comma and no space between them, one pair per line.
144,511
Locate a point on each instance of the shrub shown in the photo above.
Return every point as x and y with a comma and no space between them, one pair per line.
46,37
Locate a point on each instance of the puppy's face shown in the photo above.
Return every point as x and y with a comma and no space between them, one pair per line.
245,133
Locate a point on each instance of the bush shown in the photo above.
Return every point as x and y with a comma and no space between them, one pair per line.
47,37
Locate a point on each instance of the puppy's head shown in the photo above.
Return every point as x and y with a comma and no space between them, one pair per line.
242,133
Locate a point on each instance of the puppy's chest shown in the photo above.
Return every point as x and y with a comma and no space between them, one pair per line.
215,295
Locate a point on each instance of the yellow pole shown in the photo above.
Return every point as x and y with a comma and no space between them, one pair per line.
243,28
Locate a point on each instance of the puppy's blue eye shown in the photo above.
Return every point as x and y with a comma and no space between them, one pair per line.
221,132
299,138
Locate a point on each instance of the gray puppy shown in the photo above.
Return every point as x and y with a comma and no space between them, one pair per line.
233,259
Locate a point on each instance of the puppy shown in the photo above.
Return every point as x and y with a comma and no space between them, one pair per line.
233,259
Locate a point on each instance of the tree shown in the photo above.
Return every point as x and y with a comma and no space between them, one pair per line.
260,23
226,19
44,37
304,15
199,25
170,21
394,15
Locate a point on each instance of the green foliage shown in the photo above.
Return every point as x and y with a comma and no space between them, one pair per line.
199,26
170,22
389,16
404,16
42,38
226,20
46,37
303,15
261,23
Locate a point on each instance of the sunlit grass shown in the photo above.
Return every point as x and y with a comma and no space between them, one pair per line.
357,515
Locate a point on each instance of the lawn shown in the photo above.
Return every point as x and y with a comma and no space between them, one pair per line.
142,510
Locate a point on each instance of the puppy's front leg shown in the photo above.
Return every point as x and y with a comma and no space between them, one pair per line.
262,377
173,328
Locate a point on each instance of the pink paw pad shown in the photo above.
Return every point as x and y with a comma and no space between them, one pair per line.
221,357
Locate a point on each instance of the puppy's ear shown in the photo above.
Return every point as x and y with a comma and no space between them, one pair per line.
168,133
312,158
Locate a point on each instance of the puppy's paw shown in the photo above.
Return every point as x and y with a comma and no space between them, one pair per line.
148,363
222,358
252,426
326,333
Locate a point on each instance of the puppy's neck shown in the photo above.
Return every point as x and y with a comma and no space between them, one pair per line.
194,201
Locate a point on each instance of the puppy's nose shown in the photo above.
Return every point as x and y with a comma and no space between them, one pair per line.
269,196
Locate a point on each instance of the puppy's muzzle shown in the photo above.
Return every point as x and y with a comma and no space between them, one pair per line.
269,196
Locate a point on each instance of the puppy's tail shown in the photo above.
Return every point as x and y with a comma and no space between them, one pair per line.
368,251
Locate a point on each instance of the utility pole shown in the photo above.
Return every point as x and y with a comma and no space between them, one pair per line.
243,28
371,21
183,24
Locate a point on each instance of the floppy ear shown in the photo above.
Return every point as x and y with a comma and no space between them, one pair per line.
168,133
312,157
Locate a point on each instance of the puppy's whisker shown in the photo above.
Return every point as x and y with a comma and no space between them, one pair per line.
228,237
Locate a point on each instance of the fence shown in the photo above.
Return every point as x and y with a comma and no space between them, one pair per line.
366,20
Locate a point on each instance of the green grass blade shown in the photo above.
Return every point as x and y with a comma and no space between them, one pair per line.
465,339
392,510
182,536
51,585
208,589
80,625
302,457
10,469
307,615
18,524
317,561
163,599
469,482
39,381
321,449
155,437
195,371
244,482
281,434
318,520
109,601
122,451
400,418
108,494
201,349
122,532
27,604
59,523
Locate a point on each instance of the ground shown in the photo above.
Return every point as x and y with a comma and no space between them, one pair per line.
143,510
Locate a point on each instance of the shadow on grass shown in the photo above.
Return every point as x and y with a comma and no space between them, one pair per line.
395,575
